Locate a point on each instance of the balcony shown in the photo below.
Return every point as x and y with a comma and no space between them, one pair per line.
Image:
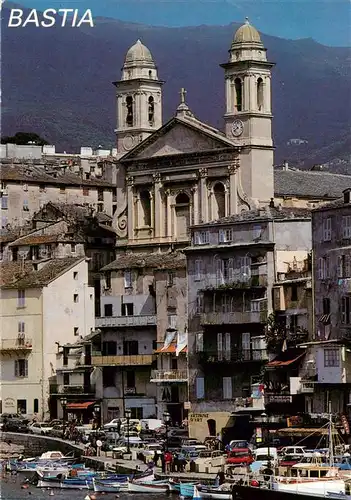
71,389
274,398
169,376
98,359
255,281
125,321
234,356
16,344
233,318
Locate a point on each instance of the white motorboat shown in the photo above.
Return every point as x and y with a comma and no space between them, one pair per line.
71,484
212,492
135,487
58,472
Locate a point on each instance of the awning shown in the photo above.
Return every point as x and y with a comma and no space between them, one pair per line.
170,349
291,431
80,406
284,362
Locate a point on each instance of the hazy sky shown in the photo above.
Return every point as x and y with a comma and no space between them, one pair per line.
327,21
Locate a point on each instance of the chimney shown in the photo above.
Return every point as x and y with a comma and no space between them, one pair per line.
271,203
285,165
346,194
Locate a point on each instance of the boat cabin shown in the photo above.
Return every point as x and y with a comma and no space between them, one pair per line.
313,471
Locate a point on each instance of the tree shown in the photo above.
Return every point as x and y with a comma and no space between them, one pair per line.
275,332
23,138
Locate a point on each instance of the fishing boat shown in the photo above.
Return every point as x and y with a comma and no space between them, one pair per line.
106,486
141,487
71,483
219,493
187,490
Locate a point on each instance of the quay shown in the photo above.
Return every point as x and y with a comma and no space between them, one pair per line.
35,445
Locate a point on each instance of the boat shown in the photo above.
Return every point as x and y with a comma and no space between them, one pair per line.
140,487
106,486
187,490
51,455
72,484
219,493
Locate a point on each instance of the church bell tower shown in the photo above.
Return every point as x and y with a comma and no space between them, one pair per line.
248,113
139,98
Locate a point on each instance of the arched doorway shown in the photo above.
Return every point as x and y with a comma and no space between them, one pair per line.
182,211
219,201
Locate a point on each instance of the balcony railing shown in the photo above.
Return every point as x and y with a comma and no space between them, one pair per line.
256,280
17,344
125,321
169,376
98,359
71,389
230,318
234,356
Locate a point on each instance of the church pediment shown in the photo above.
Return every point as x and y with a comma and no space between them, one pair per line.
179,136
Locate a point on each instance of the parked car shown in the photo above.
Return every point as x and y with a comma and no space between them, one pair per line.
57,431
42,428
240,456
15,425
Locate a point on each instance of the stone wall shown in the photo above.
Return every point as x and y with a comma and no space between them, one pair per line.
35,445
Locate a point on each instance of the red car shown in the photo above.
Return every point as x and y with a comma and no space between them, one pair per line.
240,456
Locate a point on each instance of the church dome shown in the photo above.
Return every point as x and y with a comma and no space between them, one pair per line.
138,53
247,34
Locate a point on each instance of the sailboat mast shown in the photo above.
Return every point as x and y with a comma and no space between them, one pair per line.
330,435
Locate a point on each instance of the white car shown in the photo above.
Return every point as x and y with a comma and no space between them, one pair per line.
42,428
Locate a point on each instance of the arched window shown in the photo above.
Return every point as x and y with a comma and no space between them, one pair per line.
239,94
219,200
130,114
150,73
260,93
182,209
151,109
145,203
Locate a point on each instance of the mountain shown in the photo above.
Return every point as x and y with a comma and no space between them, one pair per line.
57,82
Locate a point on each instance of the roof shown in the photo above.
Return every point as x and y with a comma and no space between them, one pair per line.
40,174
247,34
266,213
310,184
170,349
285,359
79,406
26,277
8,235
339,203
129,260
138,54
35,239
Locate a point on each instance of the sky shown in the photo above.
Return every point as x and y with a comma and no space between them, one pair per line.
326,21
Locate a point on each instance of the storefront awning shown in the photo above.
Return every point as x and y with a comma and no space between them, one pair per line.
280,361
79,406
291,431
170,349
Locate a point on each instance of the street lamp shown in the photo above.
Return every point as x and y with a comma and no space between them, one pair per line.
63,404
167,419
128,414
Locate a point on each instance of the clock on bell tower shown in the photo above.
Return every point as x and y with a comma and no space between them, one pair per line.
248,113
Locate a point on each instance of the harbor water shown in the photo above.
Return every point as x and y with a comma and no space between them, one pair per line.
11,490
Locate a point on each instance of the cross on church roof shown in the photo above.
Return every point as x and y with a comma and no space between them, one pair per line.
182,93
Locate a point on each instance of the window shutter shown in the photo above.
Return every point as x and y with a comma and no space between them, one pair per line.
26,367
341,266
219,271
220,346
200,387
221,236
227,388
198,270
246,344
16,368
231,270
127,279
227,346
347,267
199,342
327,267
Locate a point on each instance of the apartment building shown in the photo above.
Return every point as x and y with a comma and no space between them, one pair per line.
233,265
41,305
26,187
328,355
